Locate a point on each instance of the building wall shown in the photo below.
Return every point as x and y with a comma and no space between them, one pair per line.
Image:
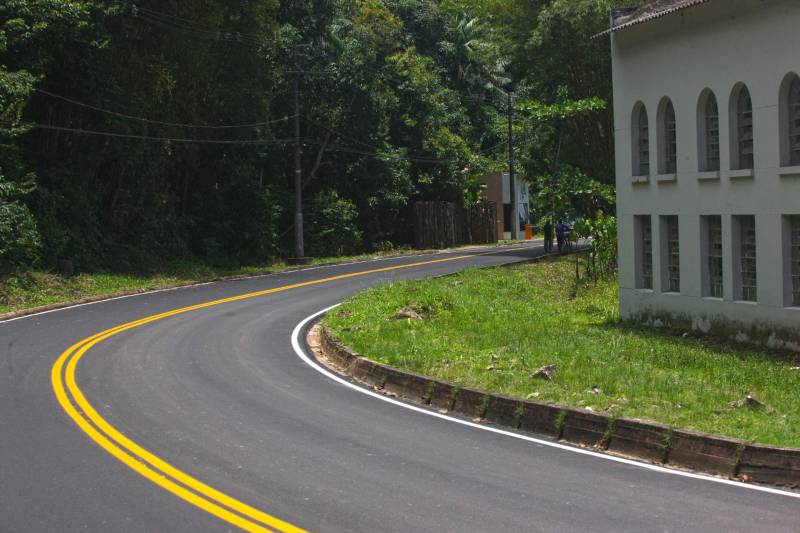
712,46
494,193
497,190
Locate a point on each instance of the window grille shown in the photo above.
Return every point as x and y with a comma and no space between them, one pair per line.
670,140
747,251
714,228
744,111
646,228
673,254
644,143
794,122
794,222
712,134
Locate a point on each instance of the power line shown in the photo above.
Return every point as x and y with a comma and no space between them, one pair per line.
340,134
138,9
414,159
160,122
221,36
474,97
164,139
252,142
187,26
419,159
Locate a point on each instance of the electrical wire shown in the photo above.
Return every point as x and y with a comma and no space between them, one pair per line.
160,122
210,35
135,9
164,139
474,97
414,159
187,26
340,134
377,149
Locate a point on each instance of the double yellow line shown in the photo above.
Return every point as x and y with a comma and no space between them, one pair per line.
145,463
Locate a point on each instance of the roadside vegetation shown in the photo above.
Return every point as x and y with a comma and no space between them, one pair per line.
494,329
39,288
136,133
35,288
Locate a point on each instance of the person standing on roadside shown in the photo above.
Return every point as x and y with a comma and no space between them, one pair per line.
548,237
561,234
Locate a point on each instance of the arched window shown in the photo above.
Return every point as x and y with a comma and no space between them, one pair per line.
640,141
790,120
794,122
667,138
741,129
708,132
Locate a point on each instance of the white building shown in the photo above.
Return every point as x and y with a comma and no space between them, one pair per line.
707,120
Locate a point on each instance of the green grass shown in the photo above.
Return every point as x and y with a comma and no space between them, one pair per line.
492,329
38,288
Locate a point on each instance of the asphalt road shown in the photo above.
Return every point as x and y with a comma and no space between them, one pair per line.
219,393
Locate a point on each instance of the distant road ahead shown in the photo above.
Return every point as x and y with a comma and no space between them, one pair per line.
208,418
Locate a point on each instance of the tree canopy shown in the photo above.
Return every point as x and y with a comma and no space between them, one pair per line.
133,132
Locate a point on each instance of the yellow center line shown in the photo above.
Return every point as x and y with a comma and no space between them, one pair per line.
159,471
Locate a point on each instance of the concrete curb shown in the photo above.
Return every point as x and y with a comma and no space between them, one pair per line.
638,439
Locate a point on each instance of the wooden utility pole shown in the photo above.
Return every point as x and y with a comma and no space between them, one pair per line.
299,247
511,177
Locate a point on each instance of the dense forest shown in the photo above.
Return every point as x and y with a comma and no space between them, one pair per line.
137,132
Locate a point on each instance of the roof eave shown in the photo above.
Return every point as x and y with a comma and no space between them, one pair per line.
648,18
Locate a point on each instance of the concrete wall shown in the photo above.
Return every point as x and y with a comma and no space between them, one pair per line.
497,190
493,192
712,46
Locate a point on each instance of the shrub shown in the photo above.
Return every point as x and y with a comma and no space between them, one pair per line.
603,234
20,243
332,228
383,246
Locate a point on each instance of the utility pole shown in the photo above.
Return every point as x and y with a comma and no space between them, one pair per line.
299,248
511,177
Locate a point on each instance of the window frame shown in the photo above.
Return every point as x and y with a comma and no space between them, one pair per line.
789,121
791,247
708,133
643,227
670,243
746,250
794,258
640,141
713,250
742,129
667,138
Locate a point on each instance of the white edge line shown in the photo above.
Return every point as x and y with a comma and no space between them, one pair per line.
257,276
300,351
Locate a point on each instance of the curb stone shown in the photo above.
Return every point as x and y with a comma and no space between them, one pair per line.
707,453
586,428
638,439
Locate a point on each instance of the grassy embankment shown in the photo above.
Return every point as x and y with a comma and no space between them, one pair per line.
38,288
493,329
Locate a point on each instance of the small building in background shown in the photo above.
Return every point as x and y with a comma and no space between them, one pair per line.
707,122
497,189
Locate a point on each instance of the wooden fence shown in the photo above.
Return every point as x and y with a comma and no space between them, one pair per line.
443,224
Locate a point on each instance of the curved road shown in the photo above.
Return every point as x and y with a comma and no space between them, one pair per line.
219,394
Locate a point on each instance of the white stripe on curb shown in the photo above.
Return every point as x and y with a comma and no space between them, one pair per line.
313,364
